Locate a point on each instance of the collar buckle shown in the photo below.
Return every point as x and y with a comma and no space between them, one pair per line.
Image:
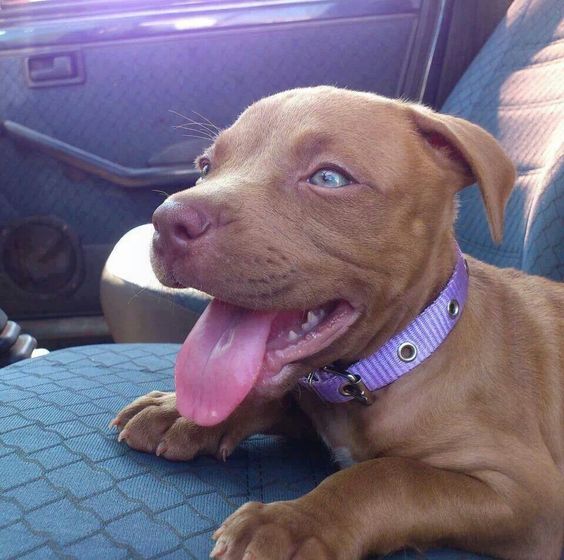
353,387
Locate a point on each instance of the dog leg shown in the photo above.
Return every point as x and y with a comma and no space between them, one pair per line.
380,506
152,424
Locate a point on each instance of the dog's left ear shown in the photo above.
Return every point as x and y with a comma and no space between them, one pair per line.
475,155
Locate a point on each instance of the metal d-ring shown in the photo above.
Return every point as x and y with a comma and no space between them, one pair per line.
354,386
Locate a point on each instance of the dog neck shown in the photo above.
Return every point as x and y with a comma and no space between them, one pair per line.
404,351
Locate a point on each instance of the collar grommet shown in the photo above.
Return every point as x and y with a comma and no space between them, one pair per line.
453,308
407,352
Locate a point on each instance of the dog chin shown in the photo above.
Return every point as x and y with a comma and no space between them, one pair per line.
285,380
165,272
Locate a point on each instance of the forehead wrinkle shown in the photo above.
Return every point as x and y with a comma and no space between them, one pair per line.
220,148
309,144
248,137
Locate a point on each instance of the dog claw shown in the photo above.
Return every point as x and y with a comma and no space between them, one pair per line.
218,532
114,423
122,435
219,549
161,449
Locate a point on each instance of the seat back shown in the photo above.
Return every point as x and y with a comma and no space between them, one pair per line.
515,89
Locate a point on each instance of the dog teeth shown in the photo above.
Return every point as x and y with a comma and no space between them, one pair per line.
313,319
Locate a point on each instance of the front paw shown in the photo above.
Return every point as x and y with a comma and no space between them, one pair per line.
277,531
152,424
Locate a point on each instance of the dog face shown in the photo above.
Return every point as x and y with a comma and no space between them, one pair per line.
331,203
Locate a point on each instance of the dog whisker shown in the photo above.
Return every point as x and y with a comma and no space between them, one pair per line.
198,136
207,120
194,129
209,141
203,125
165,194
137,294
211,130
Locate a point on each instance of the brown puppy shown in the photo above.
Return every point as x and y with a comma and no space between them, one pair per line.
467,450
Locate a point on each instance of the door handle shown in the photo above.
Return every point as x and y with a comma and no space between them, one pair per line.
50,68
54,69
173,175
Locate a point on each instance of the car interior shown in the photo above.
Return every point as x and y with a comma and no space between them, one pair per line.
104,105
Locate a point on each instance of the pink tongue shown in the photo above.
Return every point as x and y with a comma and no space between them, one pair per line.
220,360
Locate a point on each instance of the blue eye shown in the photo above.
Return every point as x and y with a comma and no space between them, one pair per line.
329,178
205,168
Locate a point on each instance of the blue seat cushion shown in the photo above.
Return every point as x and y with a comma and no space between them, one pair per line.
69,489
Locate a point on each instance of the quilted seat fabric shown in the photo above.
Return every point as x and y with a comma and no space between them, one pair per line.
515,90
68,489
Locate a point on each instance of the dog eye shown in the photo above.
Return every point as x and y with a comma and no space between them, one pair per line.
329,178
205,168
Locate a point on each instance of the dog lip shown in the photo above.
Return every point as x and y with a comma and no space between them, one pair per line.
275,384
165,273
313,341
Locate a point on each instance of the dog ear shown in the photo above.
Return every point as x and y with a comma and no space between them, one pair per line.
475,155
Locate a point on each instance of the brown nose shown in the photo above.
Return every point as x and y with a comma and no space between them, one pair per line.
179,223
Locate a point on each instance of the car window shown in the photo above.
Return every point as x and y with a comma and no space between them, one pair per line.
31,6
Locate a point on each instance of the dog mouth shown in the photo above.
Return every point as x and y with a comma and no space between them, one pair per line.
232,349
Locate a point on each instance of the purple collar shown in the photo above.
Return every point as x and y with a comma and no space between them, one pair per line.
403,352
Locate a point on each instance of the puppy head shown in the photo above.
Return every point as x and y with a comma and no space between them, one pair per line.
323,208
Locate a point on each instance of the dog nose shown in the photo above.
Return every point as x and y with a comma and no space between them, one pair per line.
179,223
